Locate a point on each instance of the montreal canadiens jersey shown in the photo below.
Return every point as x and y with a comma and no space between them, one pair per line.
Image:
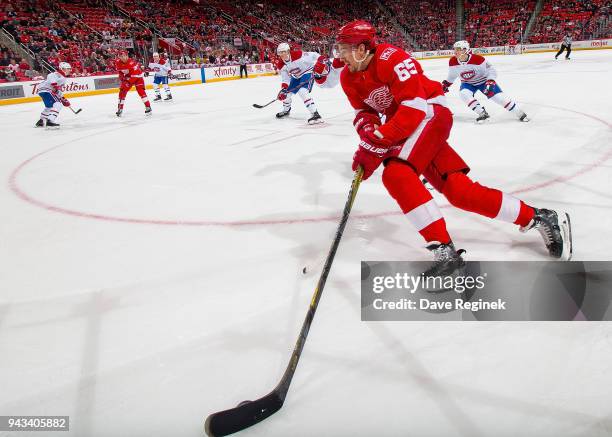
333,78
475,70
52,84
161,68
300,64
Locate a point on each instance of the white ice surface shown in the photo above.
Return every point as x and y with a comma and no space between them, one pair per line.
151,268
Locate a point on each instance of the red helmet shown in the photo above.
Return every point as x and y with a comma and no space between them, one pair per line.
357,32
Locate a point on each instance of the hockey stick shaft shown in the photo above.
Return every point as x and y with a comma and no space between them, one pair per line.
316,297
249,413
310,81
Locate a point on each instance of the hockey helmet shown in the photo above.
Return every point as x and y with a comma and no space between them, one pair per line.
65,67
462,45
357,32
282,47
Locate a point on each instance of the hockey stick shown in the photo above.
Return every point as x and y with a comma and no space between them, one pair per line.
249,413
77,111
255,105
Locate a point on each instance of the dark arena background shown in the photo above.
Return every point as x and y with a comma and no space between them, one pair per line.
218,217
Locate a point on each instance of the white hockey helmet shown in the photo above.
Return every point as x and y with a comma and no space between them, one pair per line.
65,67
282,47
462,45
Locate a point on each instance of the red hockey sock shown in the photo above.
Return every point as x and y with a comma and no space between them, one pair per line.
464,193
525,215
416,202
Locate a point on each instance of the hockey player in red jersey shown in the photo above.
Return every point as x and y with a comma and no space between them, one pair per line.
383,80
477,74
130,74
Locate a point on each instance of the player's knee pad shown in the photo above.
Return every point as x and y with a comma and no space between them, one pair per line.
462,192
304,93
466,95
457,189
404,185
500,98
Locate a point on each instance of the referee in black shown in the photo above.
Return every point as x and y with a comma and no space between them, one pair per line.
244,60
566,44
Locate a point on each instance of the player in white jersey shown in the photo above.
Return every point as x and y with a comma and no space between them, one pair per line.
326,71
295,69
50,91
162,69
477,74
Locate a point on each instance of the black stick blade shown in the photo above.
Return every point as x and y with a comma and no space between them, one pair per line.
243,416
255,105
78,110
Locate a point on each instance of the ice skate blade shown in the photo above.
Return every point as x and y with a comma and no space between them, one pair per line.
565,226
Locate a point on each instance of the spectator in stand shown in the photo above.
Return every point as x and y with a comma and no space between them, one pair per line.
10,75
13,66
23,65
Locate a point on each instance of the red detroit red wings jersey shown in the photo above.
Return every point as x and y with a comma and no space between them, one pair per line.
393,85
130,68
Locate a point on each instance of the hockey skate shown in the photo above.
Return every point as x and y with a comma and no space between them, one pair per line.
315,119
447,260
51,125
168,98
157,98
483,116
556,230
283,113
119,112
40,123
148,110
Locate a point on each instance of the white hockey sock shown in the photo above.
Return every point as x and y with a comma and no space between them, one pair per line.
468,98
475,106
54,112
508,104
156,89
307,99
167,89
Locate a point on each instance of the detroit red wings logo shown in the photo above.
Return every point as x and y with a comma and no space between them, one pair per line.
379,99
467,75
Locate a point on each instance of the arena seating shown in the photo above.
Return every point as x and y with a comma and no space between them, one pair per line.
576,17
432,24
495,22
85,32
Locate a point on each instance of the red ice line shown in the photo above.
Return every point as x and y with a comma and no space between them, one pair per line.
12,183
